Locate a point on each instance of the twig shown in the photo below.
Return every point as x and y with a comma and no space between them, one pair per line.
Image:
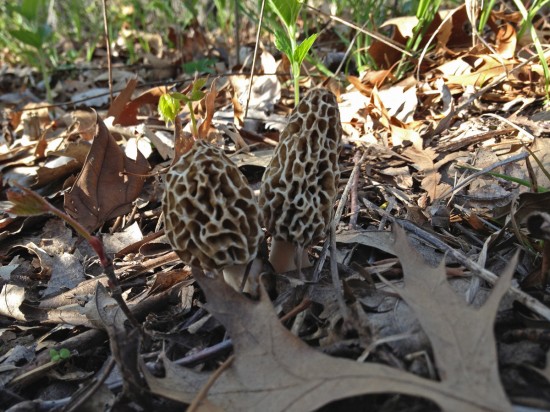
254,58
338,216
303,305
204,390
334,274
108,45
98,381
511,159
354,203
474,267
493,84
372,34
477,269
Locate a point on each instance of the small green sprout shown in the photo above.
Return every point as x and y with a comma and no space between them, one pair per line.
285,40
170,103
59,355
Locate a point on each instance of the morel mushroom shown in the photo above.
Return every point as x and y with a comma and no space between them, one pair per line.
300,183
211,217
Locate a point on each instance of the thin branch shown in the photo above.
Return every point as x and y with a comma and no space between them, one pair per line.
108,45
254,59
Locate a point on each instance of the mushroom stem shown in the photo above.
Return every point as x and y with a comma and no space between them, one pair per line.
234,276
286,256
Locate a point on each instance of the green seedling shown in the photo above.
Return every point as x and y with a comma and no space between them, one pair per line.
425,14
527,24
170,104
486,10
62,354
31,32
285,40
199,66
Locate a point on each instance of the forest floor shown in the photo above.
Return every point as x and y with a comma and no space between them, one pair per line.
430,293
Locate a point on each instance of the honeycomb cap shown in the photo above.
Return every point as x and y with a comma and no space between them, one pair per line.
211,217
300,184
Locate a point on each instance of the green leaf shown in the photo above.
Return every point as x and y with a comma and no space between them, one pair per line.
169,107
301,51
45,33
54,355
283,43
31,9
196,92
179,96
64,353
287,10
200,66
28,37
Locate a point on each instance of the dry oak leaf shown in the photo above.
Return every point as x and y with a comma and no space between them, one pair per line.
462,336
108,183
423,161
273,370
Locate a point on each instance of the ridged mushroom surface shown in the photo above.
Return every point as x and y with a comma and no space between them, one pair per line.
211,217
300,184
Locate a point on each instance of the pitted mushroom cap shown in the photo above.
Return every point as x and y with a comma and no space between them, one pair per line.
300,184
211,217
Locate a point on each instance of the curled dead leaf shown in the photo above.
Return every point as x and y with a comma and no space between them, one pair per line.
108,183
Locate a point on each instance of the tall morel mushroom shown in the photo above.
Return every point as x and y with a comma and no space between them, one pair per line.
300,183
211,217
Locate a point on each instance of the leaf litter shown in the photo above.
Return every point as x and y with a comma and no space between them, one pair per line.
435,191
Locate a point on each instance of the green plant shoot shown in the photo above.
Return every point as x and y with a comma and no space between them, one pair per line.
32,29
425,14
170,103
58,355
285,40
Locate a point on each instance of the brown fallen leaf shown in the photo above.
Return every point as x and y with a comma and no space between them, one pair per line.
128,115
209,101
424,162
108,183
273,370
122,100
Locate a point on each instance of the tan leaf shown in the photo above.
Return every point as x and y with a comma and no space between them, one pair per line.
275,371
424,162
462,336
506,41
209,100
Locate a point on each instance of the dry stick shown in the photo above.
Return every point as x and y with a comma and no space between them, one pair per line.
93,388
334,274
237,34
338,216
475,267
435,33
108,44
348,52
254,59
204,390
354,203
511,159
495,83
219,348
372,34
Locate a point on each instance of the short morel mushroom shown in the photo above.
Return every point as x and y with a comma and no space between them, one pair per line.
300,183
211,217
